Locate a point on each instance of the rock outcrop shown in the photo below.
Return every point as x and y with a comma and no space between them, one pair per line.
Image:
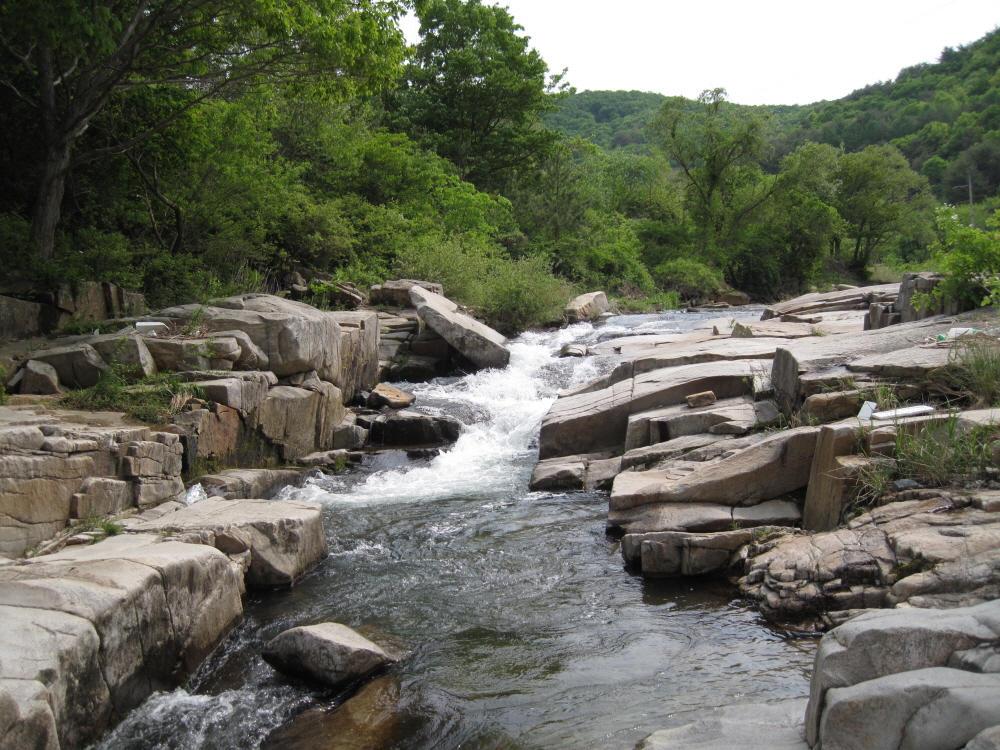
855,298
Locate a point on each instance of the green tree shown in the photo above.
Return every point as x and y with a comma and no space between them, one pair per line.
881,201
67,59
718,152
475,92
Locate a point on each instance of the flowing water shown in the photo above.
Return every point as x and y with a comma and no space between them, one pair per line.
520,626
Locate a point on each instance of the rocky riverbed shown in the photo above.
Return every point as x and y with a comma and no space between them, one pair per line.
729,450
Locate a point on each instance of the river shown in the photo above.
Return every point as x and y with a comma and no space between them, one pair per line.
520,625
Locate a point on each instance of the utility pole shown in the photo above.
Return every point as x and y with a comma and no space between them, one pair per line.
972,210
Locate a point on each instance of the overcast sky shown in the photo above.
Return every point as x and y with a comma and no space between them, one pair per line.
766,52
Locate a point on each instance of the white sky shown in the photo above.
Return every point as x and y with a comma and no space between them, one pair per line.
767,52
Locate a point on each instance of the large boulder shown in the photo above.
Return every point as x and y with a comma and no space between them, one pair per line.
413,428
21,320
329,653
479,343
586,307
300,421
128,350
295,337
78,365
894,642
359,342
396,293
91,631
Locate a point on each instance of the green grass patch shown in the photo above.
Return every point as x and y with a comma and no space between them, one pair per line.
151,399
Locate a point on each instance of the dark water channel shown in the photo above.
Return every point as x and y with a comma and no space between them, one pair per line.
521,626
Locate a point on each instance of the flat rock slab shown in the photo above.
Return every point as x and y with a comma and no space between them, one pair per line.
329,653
765,726
818,354
285,538
594,421
652,454
772,467
387,395
474,340
914,362
702,517
842,299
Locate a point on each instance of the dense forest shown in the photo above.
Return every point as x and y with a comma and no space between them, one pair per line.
195,148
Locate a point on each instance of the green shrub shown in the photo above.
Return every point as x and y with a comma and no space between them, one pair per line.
689,278
969,259
522,293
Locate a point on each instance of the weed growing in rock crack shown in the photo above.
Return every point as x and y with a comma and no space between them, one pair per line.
882,394
816,331
938,453
148,399
972,374
4,396
916,565
197,318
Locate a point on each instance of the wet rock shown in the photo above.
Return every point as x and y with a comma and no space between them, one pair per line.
412,428
329,654
587,307
573,350
567,473
679,553
477,342
371,719
767,726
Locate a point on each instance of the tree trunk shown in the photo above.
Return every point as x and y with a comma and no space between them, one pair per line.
48,205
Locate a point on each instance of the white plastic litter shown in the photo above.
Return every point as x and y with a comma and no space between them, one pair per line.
954,332
867,409
150,327
195,493
906,411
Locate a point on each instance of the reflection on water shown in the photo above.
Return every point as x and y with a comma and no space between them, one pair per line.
520,625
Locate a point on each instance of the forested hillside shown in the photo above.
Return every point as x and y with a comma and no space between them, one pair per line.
945,117
146,143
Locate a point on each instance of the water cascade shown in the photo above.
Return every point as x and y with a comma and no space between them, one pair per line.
520,626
